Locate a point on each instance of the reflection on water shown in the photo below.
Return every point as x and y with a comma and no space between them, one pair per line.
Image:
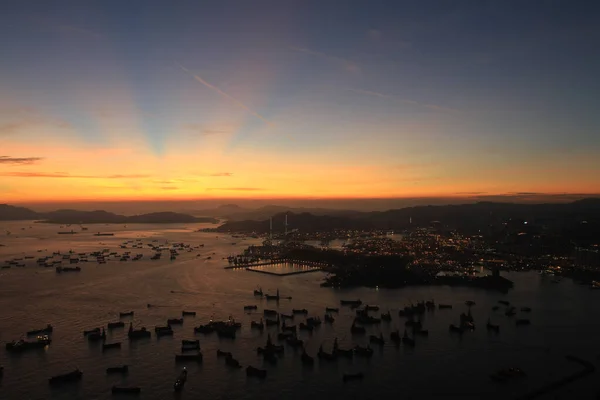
442,365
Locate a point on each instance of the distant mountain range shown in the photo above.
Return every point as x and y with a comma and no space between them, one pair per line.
12,213
579,219
233,212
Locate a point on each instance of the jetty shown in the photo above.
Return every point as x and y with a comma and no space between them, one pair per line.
306,266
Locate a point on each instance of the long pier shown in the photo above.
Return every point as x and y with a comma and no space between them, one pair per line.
314,264
588,368
304,271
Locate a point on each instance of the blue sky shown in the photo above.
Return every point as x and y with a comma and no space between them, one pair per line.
507,85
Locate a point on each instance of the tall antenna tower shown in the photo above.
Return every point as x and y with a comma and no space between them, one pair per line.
271,228
286,225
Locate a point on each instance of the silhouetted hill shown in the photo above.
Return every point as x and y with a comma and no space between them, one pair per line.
8,213
268,211
579,220
11,213
304,222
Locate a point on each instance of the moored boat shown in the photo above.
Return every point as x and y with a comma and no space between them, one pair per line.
126,314
22,345
386,317
363,351
306,359
109,346
250,307
329,319
332,310
44,331
72,376
114,325
180,381
175,321
444,306
188,313
221,353
135,334
377,339
351,302
232,362
88,332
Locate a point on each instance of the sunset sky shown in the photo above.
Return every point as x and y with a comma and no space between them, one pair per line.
122,100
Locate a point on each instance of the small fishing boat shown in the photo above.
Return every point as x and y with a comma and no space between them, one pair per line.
175,321
188,357
445,306
406,340
232,362
323,355
135,334
118,370
387,317
258,292
305,327
288,328
187,345
22,345
270,313
109,346
89,332
126,390
257,325
126,314
272,322
253,371
506,303
495,308
206,329
332,310
250,308
188,313
377,339
180,381
357,330
353,377
314,321
286,316
72,376
303,311
470,303
114,325
457,329
356,303
221,353
44,331
329,319
97,336
371,308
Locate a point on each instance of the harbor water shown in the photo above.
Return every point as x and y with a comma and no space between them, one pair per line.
442,366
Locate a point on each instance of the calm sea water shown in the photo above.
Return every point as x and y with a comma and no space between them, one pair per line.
564,321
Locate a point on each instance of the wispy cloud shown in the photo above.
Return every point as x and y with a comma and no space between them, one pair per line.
470,193
222,93
169,187
348,65
19,160
23,174
401,100
238,189
77,30
202,130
